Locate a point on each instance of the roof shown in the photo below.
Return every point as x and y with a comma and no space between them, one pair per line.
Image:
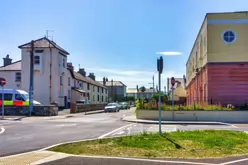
78,90
15,66
115,83
176,79
43,43
78,76
134,90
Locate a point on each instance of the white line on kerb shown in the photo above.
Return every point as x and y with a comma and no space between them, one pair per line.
146,160
235,161
2,130
118,129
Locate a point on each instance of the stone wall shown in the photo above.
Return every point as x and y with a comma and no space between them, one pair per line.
38,110
77,108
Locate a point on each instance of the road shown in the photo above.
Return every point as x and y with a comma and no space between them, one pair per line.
28,135
23,136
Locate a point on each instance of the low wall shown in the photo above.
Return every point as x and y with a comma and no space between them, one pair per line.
218,116
38,110
77,108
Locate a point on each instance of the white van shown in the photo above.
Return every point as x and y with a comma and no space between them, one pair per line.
16,95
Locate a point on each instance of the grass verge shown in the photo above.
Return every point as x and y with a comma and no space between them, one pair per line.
193,144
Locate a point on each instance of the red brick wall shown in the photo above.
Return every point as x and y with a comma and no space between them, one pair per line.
196,91
225,83
228,83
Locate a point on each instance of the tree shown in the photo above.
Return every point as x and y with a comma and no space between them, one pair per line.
163,97
142,89
131,98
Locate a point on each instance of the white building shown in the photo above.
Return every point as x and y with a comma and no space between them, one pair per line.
53,81
148,93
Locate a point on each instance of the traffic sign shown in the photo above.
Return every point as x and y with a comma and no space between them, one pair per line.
2,81
173,81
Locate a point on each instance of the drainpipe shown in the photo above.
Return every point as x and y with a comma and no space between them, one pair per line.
50,76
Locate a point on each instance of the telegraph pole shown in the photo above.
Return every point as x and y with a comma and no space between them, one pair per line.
31,85
153,84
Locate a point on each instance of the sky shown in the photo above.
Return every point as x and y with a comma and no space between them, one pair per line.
117,39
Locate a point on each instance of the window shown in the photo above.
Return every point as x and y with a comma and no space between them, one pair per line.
93,97
88,95
88,86
19,97
98,89
63,63
6,96
106,91
37,60
69,94
18,76
69,81
93,88
102,90
102,98
61,80
98,98
229,37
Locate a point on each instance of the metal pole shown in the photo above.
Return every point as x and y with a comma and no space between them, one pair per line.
160,110
173,103
2,102
31,85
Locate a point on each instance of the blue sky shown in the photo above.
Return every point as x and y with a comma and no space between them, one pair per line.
114,38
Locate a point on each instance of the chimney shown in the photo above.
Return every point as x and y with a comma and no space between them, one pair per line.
104,81
92,76
82,72
70,66
137,87
7,60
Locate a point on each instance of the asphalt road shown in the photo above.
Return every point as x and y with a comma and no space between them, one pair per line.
23,136
29,135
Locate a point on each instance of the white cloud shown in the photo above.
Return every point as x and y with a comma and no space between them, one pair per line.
169,53
131,80
120,72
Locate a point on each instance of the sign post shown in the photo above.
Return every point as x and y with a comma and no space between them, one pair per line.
172,90
160,66
2,84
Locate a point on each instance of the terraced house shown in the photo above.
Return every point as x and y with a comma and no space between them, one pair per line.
54,79
217,67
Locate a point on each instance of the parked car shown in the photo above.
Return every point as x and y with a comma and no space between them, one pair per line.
112,107
124,106
83,102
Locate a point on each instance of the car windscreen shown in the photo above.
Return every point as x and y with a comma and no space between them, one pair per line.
111,104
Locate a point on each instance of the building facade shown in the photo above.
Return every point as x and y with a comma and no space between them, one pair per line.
147,94
116,89
216,70
54,79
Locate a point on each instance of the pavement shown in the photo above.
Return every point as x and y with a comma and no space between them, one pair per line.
23,141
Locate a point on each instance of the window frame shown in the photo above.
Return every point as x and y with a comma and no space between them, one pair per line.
16,80
235,37
35,60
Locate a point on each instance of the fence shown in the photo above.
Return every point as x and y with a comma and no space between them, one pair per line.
38,110
77,108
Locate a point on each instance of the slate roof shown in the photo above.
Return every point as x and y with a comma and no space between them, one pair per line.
43,43
15,66
115,83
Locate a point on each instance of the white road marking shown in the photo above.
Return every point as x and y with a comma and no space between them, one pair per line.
64,125
146,160
2,130
118,133
235,161
118,129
